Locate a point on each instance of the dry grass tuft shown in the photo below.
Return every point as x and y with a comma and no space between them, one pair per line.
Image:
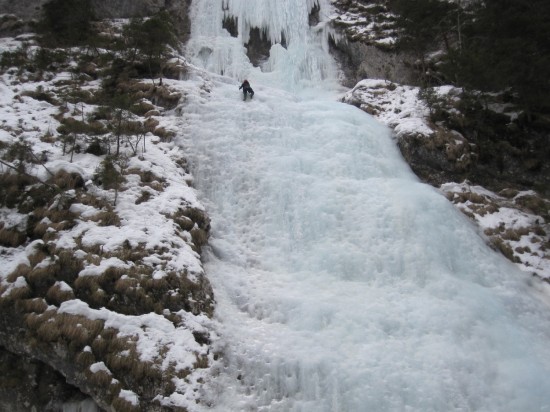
85,358
123,405
49,331
67,181
184,223
515,234
535,204
144,197
129,253
69,265
15,294
39,253
100,378
108,342
35,320
35,305
505,249
11,237
199,237
41,278
94,201
124,283
201,362
120,362
106,218
165,135
21,270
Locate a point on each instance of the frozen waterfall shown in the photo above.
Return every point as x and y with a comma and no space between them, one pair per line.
342,282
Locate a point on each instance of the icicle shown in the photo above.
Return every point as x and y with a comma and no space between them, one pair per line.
305,55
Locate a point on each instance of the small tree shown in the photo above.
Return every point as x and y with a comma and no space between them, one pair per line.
151,40
110,174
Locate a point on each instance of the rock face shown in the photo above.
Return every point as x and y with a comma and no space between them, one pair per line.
360,61
365,43
27,384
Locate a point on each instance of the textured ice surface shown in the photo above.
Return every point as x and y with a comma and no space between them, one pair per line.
342,282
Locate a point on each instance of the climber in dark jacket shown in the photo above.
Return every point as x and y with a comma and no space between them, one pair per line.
246,89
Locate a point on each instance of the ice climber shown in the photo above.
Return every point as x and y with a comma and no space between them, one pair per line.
246,89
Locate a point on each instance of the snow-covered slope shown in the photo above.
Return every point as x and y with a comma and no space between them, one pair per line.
106,286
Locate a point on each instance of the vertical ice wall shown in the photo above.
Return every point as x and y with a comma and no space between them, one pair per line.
299,52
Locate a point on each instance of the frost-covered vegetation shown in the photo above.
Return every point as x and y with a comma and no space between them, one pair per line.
100,229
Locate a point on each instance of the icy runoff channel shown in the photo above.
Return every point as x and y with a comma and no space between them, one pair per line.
342,282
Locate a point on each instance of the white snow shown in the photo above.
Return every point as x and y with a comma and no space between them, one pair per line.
129,396
397,106
96,270
155,334
99,367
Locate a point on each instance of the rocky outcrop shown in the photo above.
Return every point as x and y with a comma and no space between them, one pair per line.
30,385
365,43
359,60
